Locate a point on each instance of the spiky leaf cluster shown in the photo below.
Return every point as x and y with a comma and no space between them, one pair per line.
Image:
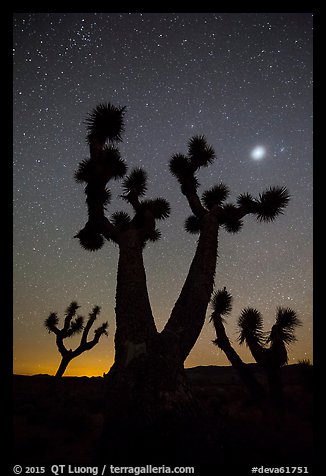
272,203
113,162
159,207
90,239
97,196
246,201
184,171
105,123
107,166
180,166
251,326
102,330
76,326
193,224
229,218
135,182
121,220
85,171
72,308
221,302
51,322
286,323
153,235
215,195
95,311
199,152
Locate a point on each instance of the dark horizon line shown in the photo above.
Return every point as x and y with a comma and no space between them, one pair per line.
254,364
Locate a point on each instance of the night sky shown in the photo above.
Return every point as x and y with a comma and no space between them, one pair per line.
244,80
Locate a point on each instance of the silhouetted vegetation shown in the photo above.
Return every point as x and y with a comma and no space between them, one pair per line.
222,306
268,349
146,386
74,325
307,370
271,358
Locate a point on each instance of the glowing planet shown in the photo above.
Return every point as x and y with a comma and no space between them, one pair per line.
258,152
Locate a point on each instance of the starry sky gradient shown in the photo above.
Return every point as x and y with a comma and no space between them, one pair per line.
243,80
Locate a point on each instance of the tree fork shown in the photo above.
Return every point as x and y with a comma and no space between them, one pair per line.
222,306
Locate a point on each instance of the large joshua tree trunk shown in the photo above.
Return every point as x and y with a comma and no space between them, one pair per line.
136,334
135,326
147,389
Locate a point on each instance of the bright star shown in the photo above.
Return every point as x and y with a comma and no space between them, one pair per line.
258,152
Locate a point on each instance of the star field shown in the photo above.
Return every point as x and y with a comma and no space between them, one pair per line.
241,79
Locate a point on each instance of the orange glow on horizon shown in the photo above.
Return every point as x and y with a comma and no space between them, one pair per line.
92,369
77,370
42,356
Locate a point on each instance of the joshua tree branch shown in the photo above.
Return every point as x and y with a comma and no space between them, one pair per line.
55,330
133,198
109,231
66,326
59,341
85,346
148,225
257,350
223,342
188,315
194,202
86,330
97,219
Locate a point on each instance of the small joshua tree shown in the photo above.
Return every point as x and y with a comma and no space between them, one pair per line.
221,304
271,358
74,325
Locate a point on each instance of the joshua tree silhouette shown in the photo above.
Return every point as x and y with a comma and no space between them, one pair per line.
74,325
222,306
271,358
147,381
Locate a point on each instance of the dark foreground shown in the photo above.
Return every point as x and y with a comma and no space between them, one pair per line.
61,424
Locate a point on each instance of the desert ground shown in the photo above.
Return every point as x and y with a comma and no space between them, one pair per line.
61,422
